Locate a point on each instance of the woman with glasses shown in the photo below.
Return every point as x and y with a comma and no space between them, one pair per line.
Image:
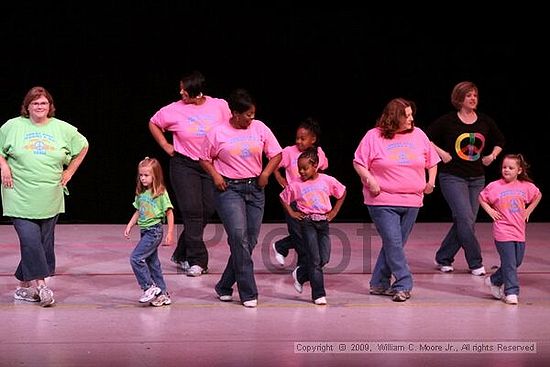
39,154
233,155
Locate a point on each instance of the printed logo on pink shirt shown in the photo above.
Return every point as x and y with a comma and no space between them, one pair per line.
511,201
314,203
244,150
198,125
312,199
402,153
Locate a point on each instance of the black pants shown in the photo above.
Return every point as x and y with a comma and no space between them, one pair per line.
194,192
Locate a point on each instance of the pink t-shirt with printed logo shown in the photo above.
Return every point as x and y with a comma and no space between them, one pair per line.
189,123
510,200
399,165
313,196
237,153
289,162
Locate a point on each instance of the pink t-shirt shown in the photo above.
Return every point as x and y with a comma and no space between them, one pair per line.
289,162
399,165
313,196
189,123
510,200
237,153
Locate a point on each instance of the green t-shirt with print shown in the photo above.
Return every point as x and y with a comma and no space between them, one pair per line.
151,210
37,155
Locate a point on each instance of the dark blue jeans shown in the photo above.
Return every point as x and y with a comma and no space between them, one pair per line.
394,224
194,192
36,243
293,240
461,195
316,242
511,256
241,209
145,258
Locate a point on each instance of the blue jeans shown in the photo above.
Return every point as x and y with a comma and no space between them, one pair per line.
511,256
394,224
36,243
145,258
241,210
194,191
293,240
461,195
316,243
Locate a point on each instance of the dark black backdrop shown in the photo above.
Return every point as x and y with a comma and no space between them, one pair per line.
111,66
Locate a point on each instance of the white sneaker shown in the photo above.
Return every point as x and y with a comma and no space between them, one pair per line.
195,271
444,268
495,290
250,304
279,257
29,294
478,272
46,296
163,299
320,301
226,298
299,287
184,265
511,299
149,294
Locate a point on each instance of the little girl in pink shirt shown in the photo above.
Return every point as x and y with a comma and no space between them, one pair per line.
509,201
307,136
312,196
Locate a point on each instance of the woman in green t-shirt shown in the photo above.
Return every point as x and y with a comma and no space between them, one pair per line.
39,154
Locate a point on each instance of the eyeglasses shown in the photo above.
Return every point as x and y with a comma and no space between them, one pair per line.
41,104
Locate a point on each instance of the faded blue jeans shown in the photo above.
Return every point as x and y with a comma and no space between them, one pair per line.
462,196
36,243
145,258
394,224
241,210
511,256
